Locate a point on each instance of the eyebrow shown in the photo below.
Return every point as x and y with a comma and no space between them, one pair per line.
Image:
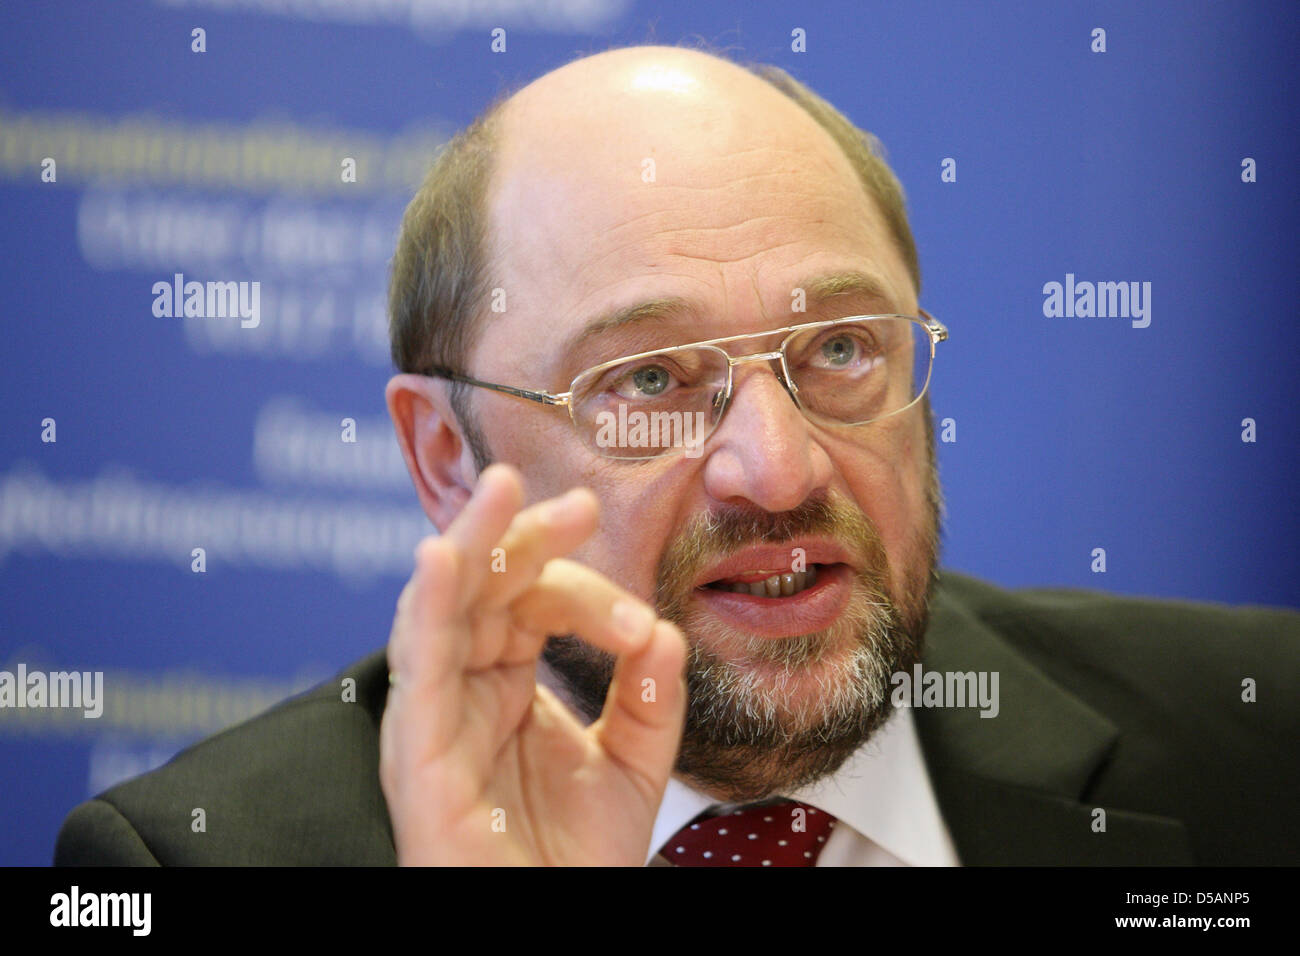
817,290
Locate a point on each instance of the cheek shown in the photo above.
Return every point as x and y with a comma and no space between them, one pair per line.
540,442
887,481
640,514
628,544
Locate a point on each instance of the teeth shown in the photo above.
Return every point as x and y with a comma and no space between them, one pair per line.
777,585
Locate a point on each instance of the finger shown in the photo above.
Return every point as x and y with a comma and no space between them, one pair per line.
641,725
568,598
437,592
426,658
434,721
549,529
497,498
419,651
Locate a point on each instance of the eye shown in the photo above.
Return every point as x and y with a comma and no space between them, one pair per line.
840,350
645,381
849,349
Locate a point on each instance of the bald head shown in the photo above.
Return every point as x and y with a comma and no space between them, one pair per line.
658,98
649,132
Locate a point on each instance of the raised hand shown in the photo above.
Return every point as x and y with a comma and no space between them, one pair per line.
480,764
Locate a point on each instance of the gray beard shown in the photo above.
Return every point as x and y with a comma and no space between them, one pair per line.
742,741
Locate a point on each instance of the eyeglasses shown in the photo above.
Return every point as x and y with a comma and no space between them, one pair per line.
840,372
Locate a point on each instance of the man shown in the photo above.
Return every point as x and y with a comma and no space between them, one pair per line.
709,580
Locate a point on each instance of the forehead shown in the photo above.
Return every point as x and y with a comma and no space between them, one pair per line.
721,200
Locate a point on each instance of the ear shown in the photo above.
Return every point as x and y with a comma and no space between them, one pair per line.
437,455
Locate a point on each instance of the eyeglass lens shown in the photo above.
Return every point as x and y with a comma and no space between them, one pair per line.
851,373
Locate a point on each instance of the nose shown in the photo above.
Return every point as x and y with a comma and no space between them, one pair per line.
763,451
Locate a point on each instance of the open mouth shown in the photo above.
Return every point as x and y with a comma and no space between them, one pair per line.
768,584
754,595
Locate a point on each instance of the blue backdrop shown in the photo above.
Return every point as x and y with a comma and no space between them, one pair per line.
1032,147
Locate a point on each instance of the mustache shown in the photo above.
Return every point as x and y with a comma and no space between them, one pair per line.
717,534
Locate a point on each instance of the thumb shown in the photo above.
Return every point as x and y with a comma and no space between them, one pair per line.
645,710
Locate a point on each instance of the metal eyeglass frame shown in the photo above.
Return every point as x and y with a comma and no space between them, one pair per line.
937,330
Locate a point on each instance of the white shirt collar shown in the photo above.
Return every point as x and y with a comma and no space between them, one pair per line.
882,791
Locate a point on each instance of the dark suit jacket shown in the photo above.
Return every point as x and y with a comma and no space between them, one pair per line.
1131,706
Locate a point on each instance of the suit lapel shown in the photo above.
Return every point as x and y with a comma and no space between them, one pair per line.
1011,787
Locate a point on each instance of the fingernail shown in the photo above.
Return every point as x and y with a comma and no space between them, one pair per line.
634,621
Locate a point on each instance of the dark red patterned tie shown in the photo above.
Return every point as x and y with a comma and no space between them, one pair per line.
773,834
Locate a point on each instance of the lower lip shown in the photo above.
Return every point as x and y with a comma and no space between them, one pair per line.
812,609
